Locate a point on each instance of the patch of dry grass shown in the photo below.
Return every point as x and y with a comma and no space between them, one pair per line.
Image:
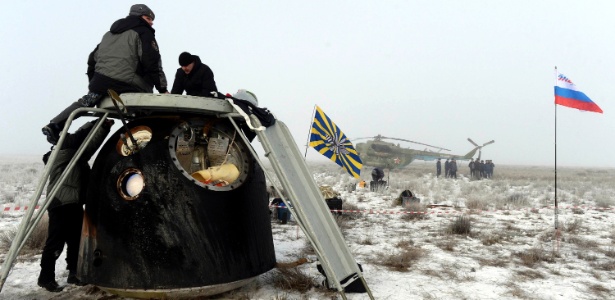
350,215
530,274
493,262
366,240
34,243
587,256
516,291
403,260
582,243
460,225
606,265
414,212
405,244
609,252
307,249
604,202
475,204
447,244
292,279
343,224
600,290
532,256
573,226
517,199
491,239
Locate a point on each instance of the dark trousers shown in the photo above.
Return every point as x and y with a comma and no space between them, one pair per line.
88,100
64,228
283,214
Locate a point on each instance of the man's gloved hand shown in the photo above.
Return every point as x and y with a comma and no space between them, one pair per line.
109,123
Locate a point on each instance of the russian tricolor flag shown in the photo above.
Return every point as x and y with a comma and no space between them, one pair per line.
567,94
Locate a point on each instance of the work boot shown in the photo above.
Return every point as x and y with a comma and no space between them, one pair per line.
52,133
51,286
72,279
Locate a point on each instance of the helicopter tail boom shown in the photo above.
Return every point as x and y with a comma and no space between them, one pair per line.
471,153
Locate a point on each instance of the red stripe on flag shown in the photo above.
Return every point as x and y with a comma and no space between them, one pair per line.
573,103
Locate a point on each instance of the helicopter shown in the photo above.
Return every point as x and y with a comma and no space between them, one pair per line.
379,153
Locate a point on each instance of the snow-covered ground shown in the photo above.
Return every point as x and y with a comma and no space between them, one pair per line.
511,251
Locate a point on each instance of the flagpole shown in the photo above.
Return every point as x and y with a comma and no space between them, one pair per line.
555,144
555,162
307,145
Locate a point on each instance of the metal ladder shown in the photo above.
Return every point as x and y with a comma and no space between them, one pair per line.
29,220
306,203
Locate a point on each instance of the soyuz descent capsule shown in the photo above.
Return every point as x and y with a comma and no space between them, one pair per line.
183,213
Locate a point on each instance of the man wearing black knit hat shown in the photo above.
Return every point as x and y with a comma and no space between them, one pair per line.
126,60
194,77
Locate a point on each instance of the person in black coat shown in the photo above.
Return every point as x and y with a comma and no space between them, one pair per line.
126,60
452,169
283,214
66,208
377,174
194,77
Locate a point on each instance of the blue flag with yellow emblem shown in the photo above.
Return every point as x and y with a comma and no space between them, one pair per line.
330,141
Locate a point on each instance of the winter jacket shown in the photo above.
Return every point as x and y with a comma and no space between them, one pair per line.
200,81
377,174
74,188
127,59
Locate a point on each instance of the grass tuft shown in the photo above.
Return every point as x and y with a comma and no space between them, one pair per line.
461,225
292,279
403,260
35,241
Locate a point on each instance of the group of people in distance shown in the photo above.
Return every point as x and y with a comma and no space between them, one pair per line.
478,169
481,169
127,60
450,168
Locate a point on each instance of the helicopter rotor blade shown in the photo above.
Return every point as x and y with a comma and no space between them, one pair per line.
473,143
361,138
377,137
489,143
409,141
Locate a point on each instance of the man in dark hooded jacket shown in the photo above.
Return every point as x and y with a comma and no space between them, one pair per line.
126,60
377,174
194,77
66,208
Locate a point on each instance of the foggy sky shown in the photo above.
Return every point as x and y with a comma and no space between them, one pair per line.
436,72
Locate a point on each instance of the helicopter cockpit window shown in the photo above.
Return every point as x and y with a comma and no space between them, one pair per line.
210,153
